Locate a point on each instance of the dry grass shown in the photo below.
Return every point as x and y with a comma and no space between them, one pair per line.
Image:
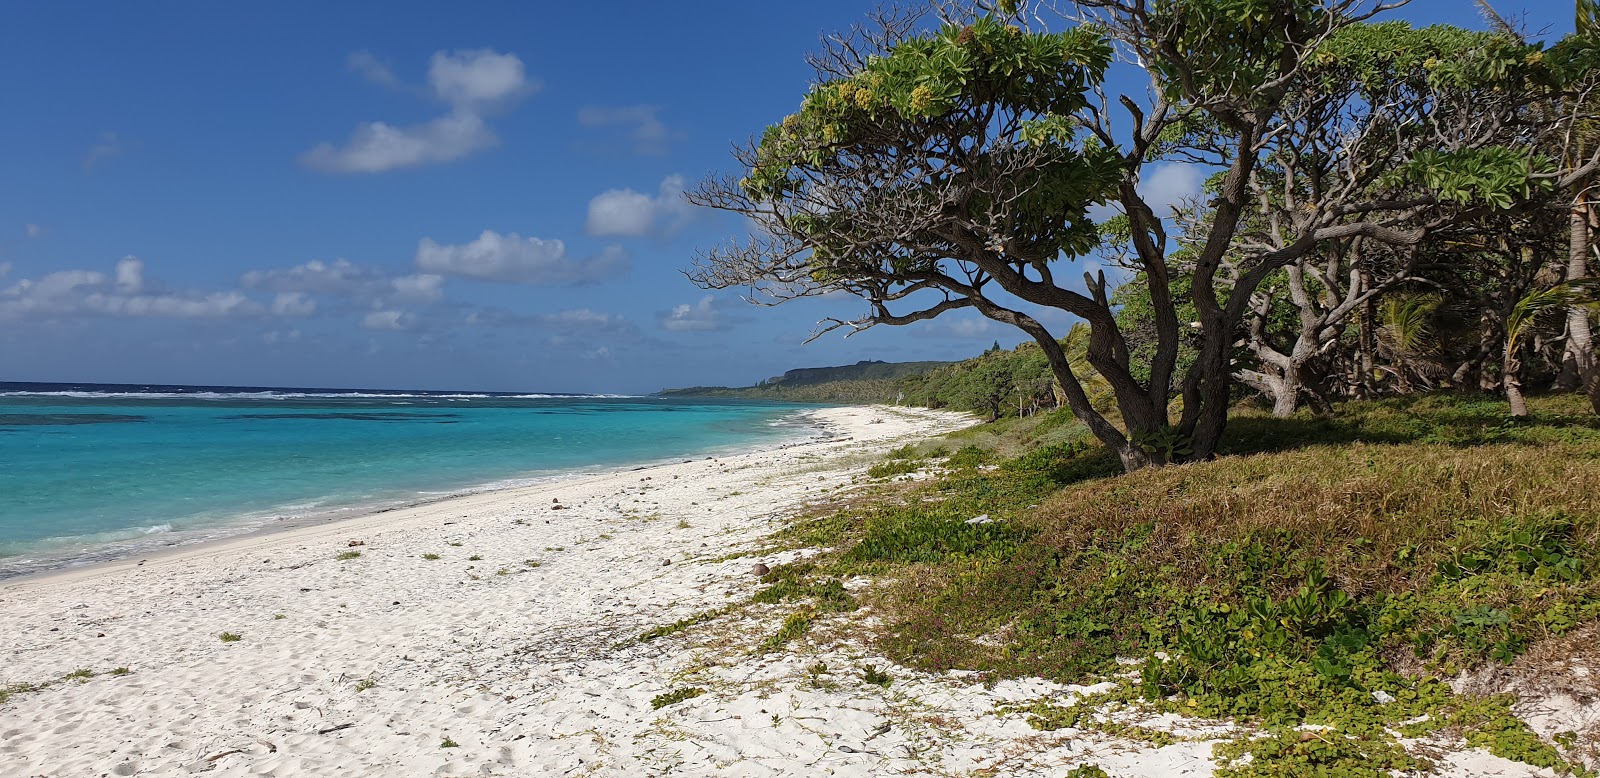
1399,499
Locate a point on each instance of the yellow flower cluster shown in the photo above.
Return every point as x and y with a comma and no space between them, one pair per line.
865,98
921,98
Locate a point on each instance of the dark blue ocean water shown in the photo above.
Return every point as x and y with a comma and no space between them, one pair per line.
97,471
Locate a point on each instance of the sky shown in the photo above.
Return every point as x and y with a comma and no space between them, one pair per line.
469,196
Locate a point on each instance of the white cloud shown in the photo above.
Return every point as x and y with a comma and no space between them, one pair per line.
372,69
344,278
513,258
293,304
1162,187
125,292
375,147
642,127
388,320
274,336
130,275
624,212
107,148
700,316
582,319
958,327
1171,185
338,276
471,82
419,287
620,212
474,80
570,322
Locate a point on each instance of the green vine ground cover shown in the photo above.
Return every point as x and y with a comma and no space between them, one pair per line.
1316,585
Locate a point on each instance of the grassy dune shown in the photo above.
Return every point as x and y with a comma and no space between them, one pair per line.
1334,571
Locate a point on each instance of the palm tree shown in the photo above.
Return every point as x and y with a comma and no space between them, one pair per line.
1571,295
1405,330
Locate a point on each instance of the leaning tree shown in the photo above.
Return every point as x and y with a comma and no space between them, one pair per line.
929,172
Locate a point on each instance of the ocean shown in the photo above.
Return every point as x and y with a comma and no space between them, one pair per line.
90,472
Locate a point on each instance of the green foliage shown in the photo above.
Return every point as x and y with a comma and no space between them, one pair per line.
448,743
230,637
679,625
999,381
873,676
430,556
1387,57
81,675
346,555
1230,47
892,467
1495,176
1004,95
1407,321
1287,751
675,696
1087,771
863,382
1543,301
793,627
793,582
1276,590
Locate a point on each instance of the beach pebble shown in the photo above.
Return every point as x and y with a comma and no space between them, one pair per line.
354,543
760,570
665,562
980,519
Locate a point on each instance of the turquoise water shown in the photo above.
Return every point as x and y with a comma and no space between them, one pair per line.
88,475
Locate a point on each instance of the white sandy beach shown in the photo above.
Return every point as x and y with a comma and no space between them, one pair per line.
507,647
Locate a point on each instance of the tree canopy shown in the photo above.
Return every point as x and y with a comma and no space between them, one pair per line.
955,162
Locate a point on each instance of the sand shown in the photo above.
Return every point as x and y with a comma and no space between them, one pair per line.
510,653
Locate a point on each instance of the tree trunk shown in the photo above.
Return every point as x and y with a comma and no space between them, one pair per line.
1513,381
1367,344
1133,457
1286,386
1488,332
1580,341
1205,393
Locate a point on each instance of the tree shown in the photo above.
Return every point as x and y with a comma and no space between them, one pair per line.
928,173
1429,124
1568,295
1571,110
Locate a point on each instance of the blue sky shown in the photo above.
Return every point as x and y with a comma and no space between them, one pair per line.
404,195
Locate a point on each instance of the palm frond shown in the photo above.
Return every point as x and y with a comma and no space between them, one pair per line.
1541,301
1407,320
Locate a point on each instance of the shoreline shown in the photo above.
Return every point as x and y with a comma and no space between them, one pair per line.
503,634
122,553
365,665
